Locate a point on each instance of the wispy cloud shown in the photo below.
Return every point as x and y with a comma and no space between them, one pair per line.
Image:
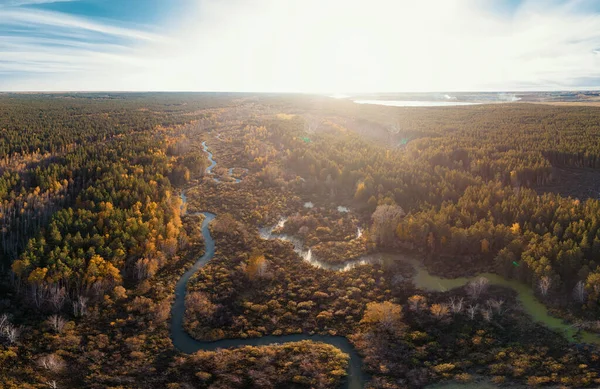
48,50
311,45
18,3
54,20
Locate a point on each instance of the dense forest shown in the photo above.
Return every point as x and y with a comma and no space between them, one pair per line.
95,235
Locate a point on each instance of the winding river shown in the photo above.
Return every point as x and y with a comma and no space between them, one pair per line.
237,180
356,378
531,305
213,163
426,281
307,255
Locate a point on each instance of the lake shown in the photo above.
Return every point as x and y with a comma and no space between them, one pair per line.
414,103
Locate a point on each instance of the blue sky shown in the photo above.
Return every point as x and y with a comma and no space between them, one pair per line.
299,45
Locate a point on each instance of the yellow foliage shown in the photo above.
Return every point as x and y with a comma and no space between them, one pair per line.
119,292
431,240
463,377
485,246
37,275
498,379
285,116
516,228
417,303
444,368
19,267
257,266
360,191
439,310
537,381
98,269
386,313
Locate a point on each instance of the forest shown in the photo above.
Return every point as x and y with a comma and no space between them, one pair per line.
317,202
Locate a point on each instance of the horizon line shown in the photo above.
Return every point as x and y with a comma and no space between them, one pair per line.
592,89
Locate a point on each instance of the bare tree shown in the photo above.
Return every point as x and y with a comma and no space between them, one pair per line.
393,129
36,292
98,288
4,322
52,362
472,311
312,124
456,304
83,305
476,287
544,284
12,334
52,384
496,305
56,297
579,292
8,330
79,306
57,323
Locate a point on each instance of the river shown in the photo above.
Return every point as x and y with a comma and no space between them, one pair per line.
307,255
356,378
531,305
406,103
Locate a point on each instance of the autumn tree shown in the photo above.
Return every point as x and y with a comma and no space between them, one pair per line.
544,284
386,314
198,303
417,303
439,311
257,266
225,224
385,220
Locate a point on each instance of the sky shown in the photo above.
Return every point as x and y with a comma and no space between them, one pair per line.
312,46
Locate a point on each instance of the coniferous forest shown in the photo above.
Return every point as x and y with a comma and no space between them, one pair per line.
291,241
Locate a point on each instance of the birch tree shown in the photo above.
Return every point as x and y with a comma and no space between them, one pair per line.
544,285
579,292
476,287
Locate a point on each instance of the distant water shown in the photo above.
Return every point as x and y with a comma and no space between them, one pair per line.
414,103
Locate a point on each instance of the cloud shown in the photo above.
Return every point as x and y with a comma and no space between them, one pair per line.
388,45
51,21
313,46
18,3
42,50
